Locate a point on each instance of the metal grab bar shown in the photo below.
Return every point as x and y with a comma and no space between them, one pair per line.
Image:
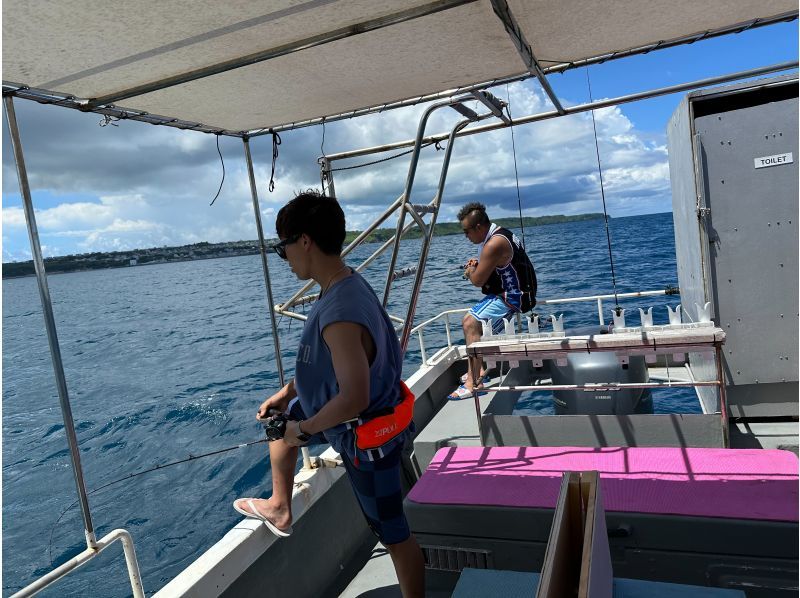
86,556
610,386
599,298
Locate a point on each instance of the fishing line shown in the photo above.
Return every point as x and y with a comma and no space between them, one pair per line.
223,173
138,473
603,195
516,172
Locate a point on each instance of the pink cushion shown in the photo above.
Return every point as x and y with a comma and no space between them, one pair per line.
735,483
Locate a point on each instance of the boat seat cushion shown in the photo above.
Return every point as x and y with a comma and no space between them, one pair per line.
728,483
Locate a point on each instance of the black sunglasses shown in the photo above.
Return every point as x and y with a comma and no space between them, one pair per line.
469,228
280,247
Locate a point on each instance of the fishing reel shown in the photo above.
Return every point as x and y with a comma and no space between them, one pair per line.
275,426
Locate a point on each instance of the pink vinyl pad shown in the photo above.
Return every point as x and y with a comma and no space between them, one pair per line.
733,483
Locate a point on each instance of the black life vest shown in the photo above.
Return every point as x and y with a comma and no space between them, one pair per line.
515,282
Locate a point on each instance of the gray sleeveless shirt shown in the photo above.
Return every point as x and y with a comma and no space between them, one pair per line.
349,300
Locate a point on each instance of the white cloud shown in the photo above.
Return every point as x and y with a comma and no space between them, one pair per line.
13,217
142,186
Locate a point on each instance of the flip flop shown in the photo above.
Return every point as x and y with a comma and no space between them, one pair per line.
254,514
461,393
485,380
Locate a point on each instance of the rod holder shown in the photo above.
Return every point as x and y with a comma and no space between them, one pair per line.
674,315
704,313
533,324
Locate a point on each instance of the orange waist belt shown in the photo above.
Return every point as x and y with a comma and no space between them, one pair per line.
379,430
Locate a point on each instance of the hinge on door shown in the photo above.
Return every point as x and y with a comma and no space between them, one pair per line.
703,213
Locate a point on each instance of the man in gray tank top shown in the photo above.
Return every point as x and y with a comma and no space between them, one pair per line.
348,366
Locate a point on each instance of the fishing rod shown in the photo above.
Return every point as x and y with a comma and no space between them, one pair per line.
139,473
443,271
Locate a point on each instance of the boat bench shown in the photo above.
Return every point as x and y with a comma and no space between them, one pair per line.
488,583
709,517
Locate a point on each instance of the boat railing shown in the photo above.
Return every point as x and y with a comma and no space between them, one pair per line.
92,551
93,546
445,315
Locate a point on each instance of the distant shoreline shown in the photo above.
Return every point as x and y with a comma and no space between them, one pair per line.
205,250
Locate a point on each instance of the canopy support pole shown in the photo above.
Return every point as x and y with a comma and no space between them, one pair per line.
514,31
265,266
50,322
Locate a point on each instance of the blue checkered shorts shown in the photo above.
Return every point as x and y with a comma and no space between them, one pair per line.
377,487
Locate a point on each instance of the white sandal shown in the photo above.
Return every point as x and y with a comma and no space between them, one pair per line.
254,514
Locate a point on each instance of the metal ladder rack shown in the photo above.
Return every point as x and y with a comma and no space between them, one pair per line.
403,205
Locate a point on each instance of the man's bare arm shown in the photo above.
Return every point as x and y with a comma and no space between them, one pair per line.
497,252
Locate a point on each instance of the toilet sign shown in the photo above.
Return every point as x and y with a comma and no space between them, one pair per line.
776,160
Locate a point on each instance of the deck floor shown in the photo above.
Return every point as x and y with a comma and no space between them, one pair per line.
377,579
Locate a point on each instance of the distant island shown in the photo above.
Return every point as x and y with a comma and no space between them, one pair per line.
205,250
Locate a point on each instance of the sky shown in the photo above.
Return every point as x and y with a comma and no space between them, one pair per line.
114,188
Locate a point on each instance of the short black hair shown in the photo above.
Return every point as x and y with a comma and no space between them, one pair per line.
476,212
317,215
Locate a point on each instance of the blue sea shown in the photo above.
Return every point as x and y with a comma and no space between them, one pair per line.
171,360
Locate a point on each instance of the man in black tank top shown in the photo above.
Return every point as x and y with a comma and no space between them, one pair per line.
503,272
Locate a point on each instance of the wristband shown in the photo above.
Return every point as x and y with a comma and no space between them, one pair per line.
302,435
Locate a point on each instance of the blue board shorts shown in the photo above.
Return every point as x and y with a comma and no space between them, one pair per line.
376,485
494,309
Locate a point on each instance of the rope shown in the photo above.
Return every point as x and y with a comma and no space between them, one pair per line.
516,172
276,141
603,195
138,473
223,173
392,157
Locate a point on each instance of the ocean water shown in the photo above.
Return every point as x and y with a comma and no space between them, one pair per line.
172,360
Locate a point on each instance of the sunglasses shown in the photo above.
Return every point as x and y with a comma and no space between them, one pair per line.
280,247
469,228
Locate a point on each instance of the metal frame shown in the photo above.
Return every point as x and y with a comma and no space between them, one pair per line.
69,101
93,547
404,205
626,99
87,555
268,283
423,258
477,354
514,31
103,107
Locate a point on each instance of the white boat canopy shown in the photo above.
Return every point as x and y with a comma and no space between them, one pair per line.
241,67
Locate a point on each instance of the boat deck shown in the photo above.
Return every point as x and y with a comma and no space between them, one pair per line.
378,580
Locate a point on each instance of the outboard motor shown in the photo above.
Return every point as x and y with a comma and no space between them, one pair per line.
583,368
